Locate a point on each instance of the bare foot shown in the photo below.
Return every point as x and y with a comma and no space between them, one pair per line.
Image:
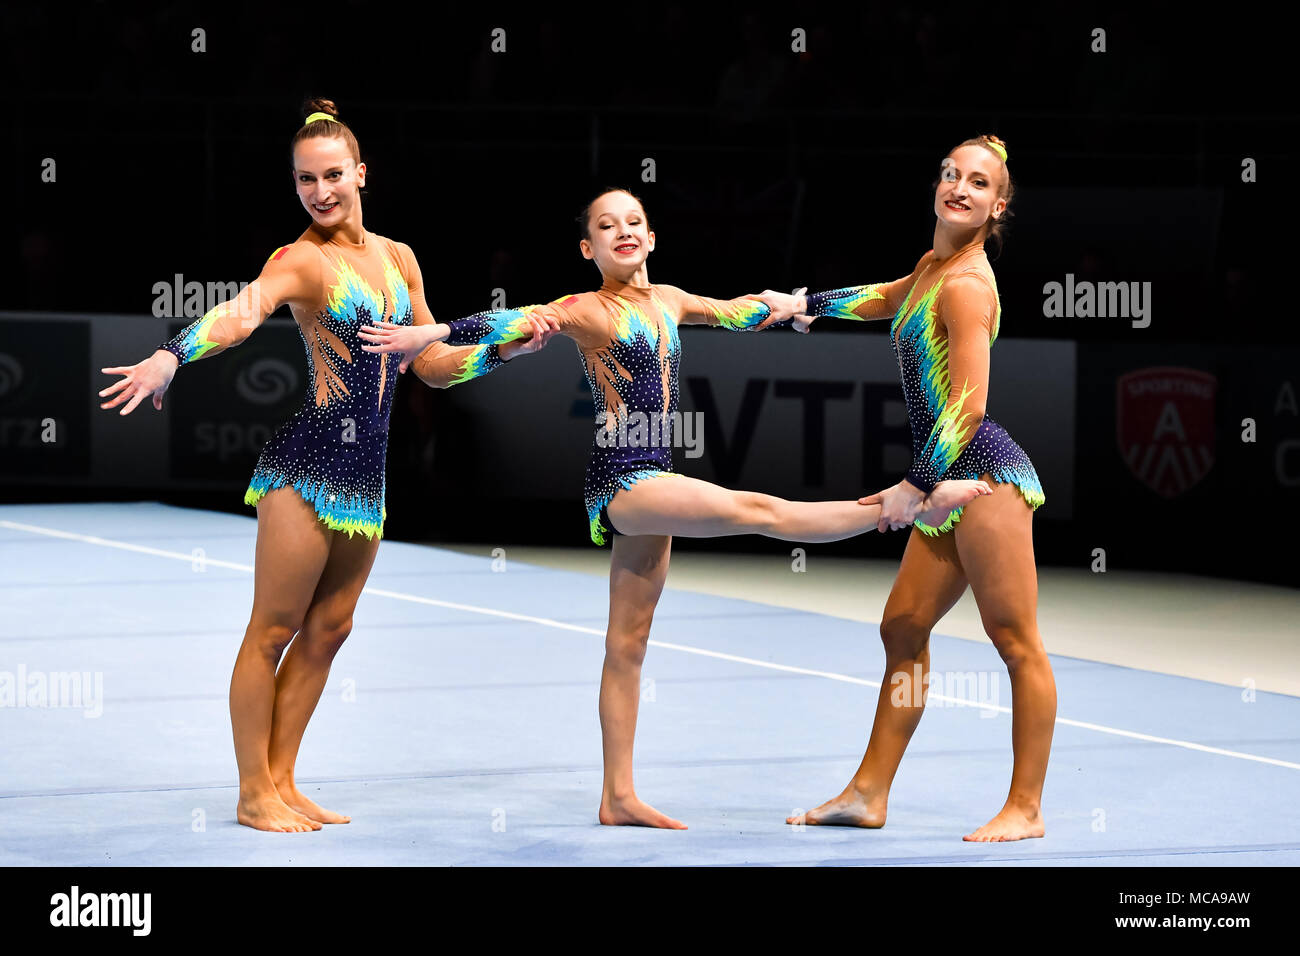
850,809
633,812
948,495
295,799
1011,823
272,813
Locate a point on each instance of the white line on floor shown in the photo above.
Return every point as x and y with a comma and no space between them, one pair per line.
684,648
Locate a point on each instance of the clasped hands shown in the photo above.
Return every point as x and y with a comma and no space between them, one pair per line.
783,306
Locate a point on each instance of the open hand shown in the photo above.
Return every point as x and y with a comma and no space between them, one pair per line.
150,377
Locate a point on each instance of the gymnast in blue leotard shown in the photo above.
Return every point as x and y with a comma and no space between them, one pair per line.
944,317
319,481
952,437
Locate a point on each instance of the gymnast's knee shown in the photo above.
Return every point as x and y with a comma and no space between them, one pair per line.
269,639
904,635
755,511
1017,644
321,640
626,646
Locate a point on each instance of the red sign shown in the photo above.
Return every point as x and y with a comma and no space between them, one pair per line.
1164,423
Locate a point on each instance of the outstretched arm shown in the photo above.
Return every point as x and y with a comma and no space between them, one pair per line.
442,366
437,364
499,326
496,336
862,303
749,313
292,273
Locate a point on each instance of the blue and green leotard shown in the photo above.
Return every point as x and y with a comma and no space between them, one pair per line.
627,339
332,451
946,316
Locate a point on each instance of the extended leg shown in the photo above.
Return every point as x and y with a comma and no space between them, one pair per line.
673,504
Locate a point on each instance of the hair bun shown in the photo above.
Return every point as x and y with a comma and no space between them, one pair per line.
319,105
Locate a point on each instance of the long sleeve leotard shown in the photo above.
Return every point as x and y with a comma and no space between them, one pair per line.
333,449
945,319
627,339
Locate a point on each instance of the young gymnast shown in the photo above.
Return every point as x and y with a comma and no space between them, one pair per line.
319,481
626,333
945,317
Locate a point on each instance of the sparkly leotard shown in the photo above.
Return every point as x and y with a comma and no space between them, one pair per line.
945,318
332,450
627,338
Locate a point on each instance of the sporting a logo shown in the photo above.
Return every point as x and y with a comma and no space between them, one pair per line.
1164,423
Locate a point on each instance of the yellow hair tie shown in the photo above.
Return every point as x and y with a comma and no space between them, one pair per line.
998,148
318,116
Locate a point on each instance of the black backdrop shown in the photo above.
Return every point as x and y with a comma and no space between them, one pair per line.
773,169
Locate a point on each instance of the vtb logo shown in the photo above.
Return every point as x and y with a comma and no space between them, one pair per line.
1164,420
